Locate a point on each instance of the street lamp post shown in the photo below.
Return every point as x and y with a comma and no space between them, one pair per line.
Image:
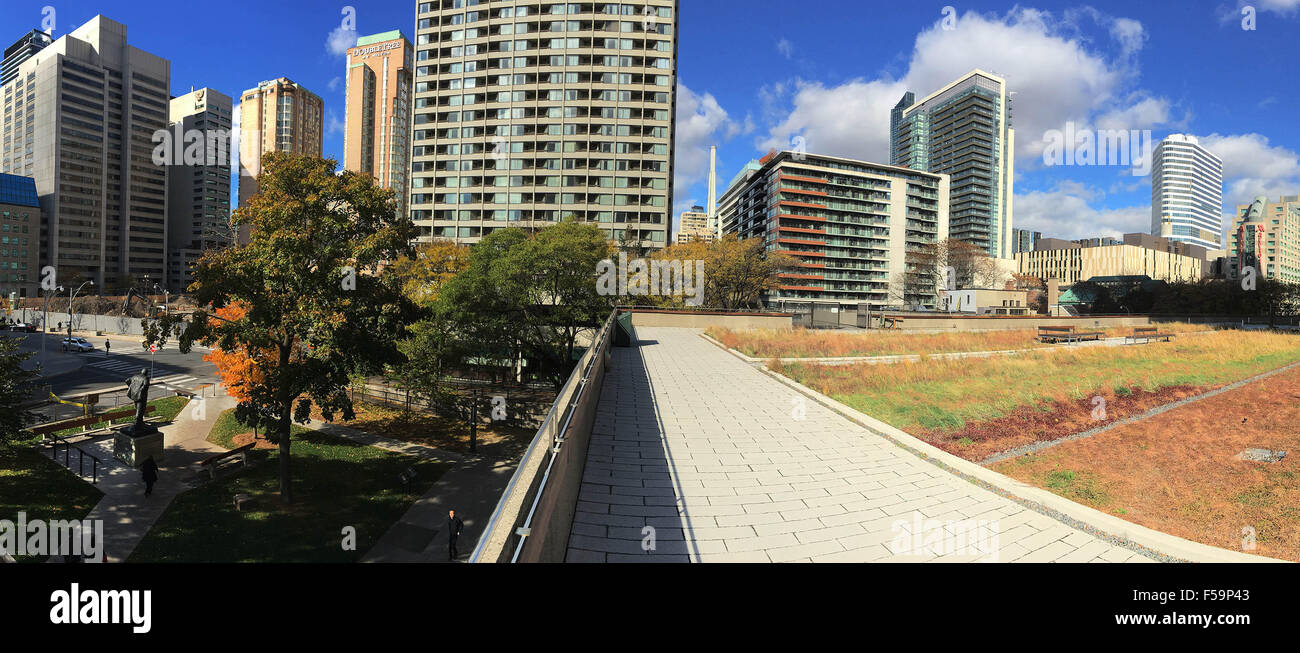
72,295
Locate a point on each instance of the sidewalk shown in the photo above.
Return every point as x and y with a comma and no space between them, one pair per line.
723,463
127,514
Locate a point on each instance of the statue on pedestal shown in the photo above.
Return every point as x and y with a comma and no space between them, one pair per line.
137,390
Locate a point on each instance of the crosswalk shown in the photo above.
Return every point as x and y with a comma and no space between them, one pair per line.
126,368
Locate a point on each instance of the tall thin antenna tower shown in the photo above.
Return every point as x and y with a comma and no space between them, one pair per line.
713,191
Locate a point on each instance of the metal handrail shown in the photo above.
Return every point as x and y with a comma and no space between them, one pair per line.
580,375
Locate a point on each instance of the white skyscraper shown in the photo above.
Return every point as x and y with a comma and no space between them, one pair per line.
1187,193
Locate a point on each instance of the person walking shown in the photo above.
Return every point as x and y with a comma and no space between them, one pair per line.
454,526
108,347
150,474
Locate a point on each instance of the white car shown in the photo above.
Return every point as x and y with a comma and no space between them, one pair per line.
77,344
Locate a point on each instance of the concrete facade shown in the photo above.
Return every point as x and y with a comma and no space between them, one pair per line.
1268,239
199,191
523,119
1071,262
377,124
84,112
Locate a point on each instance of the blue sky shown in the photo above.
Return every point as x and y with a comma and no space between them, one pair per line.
755,73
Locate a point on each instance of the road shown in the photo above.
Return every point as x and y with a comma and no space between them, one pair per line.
76,374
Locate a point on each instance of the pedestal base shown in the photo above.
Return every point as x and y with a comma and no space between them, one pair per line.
134,446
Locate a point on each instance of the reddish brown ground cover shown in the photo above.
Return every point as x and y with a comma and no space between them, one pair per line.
1050,421
1178,473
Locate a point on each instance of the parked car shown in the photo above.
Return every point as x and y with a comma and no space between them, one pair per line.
25,328
78,345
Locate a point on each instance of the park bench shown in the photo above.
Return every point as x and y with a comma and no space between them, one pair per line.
86,422
210,463
1147,334
1066,334
888,322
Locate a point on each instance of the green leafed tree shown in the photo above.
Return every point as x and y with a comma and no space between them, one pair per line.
311,280
531,295
16,386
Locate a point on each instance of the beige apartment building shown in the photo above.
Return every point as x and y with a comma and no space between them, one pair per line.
527,113
80,116
1139,254
849,224
376,136
1266,235
277,116
695,226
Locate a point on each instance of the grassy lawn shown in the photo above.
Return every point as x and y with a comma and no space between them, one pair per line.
944,401
32,483
337,483
1178,472
811,343
165,410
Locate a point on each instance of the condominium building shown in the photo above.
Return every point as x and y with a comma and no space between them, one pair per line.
964,130
23,49
80,117
20,228
277,116
377,124
1266,236
849,225
695,226
198,187
1187,192
1070,262
527,113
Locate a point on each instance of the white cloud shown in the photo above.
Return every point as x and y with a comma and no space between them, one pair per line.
1253,167
336,84
786,48
332,124
701,123
1057,76
1067,212
339,40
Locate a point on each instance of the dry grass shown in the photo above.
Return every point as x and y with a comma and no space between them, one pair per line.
421,427
809,343
1177,472
939,395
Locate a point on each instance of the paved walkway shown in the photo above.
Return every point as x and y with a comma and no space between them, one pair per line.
726,464
127,514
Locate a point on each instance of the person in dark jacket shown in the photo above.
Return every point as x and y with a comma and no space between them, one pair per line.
454,526
150,473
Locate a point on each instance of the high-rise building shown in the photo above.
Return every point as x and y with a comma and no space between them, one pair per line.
277,116
1026,239
695,226
23,49
964,130
849,224
1187,192
1266,236
20,229
83,113
376,135
198,186
527,114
